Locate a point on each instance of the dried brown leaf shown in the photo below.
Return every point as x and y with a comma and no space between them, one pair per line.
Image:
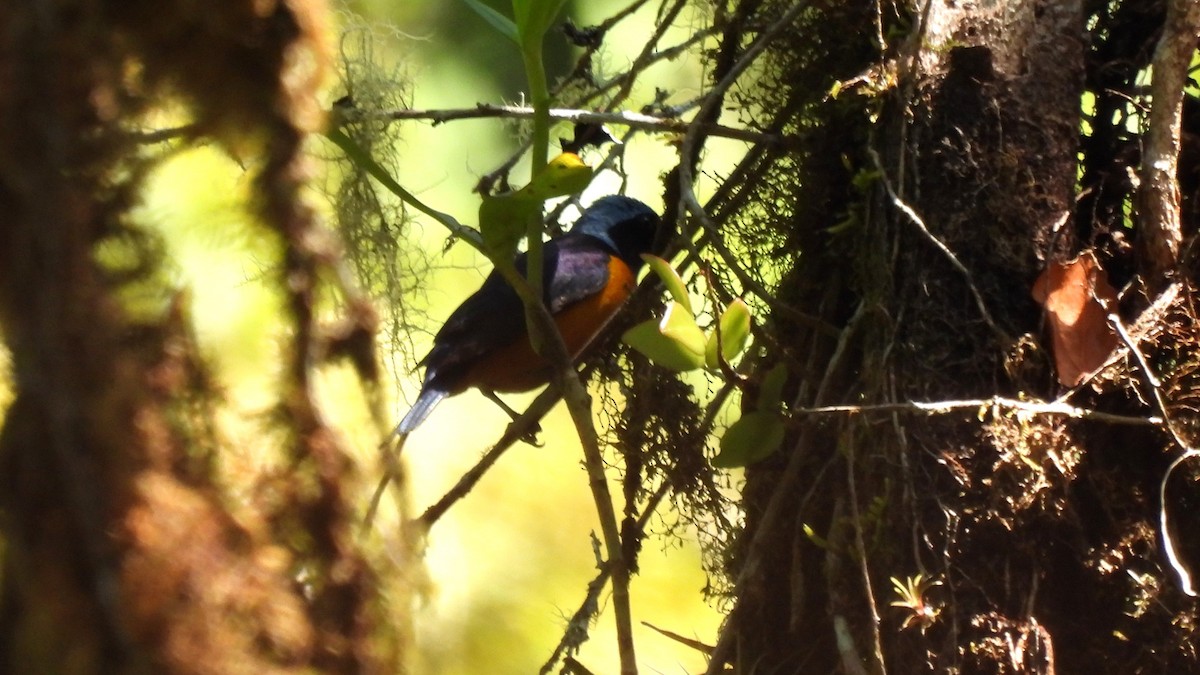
1074,295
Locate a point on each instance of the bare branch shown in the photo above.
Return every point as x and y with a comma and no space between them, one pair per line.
864,569
1033,407
1151,379
576,631
515,431
851,661
626,118
712,105
1189,452
579,404
1181,570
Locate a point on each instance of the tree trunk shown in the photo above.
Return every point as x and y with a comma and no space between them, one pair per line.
931,193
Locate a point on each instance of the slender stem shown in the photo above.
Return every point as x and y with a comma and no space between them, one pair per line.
363,159
864,569
917,222
547,342
539,95
583,616
515,431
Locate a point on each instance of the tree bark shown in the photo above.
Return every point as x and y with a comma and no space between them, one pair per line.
973,156
1160,199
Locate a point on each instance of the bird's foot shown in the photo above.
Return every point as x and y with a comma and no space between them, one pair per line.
531,436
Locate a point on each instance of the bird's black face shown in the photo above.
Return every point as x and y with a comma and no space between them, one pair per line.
633,237
625,225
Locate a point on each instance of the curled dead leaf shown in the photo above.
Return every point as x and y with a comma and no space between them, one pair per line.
1074,295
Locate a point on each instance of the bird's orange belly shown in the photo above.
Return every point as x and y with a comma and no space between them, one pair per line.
516,367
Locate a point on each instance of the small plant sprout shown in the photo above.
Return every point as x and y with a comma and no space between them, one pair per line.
912,591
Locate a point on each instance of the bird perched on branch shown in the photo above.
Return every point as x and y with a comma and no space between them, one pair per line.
587,275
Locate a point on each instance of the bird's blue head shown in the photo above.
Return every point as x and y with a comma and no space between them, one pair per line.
625,225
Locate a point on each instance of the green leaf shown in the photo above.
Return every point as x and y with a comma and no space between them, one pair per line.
501,23
669,342
503,219
521,10
660,349
770,395
679,325
564,175
815,538
734,328
671,280
534,18
750,439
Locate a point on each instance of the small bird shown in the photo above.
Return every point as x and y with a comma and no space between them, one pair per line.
587,275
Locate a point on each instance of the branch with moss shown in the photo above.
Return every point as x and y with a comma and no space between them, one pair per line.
689,149
689,203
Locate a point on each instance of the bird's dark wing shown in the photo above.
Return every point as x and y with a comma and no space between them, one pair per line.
580,270
574,267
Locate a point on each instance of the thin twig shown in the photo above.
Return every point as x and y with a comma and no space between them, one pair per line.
688,148
1034,407
600,90
1181,570
731,262
583,65
1148,324
835,546
1189,452
363,159
916,220
576,632
627,118
713,100
687,642
661,24
834,364
1151,379
861,549
393,473
579,405
519,428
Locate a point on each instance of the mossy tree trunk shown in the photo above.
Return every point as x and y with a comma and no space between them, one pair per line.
933,189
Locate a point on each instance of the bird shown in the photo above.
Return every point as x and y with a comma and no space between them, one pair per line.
588,274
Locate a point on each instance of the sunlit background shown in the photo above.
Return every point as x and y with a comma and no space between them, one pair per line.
511,562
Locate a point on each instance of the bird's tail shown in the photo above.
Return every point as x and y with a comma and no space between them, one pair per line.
425,404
